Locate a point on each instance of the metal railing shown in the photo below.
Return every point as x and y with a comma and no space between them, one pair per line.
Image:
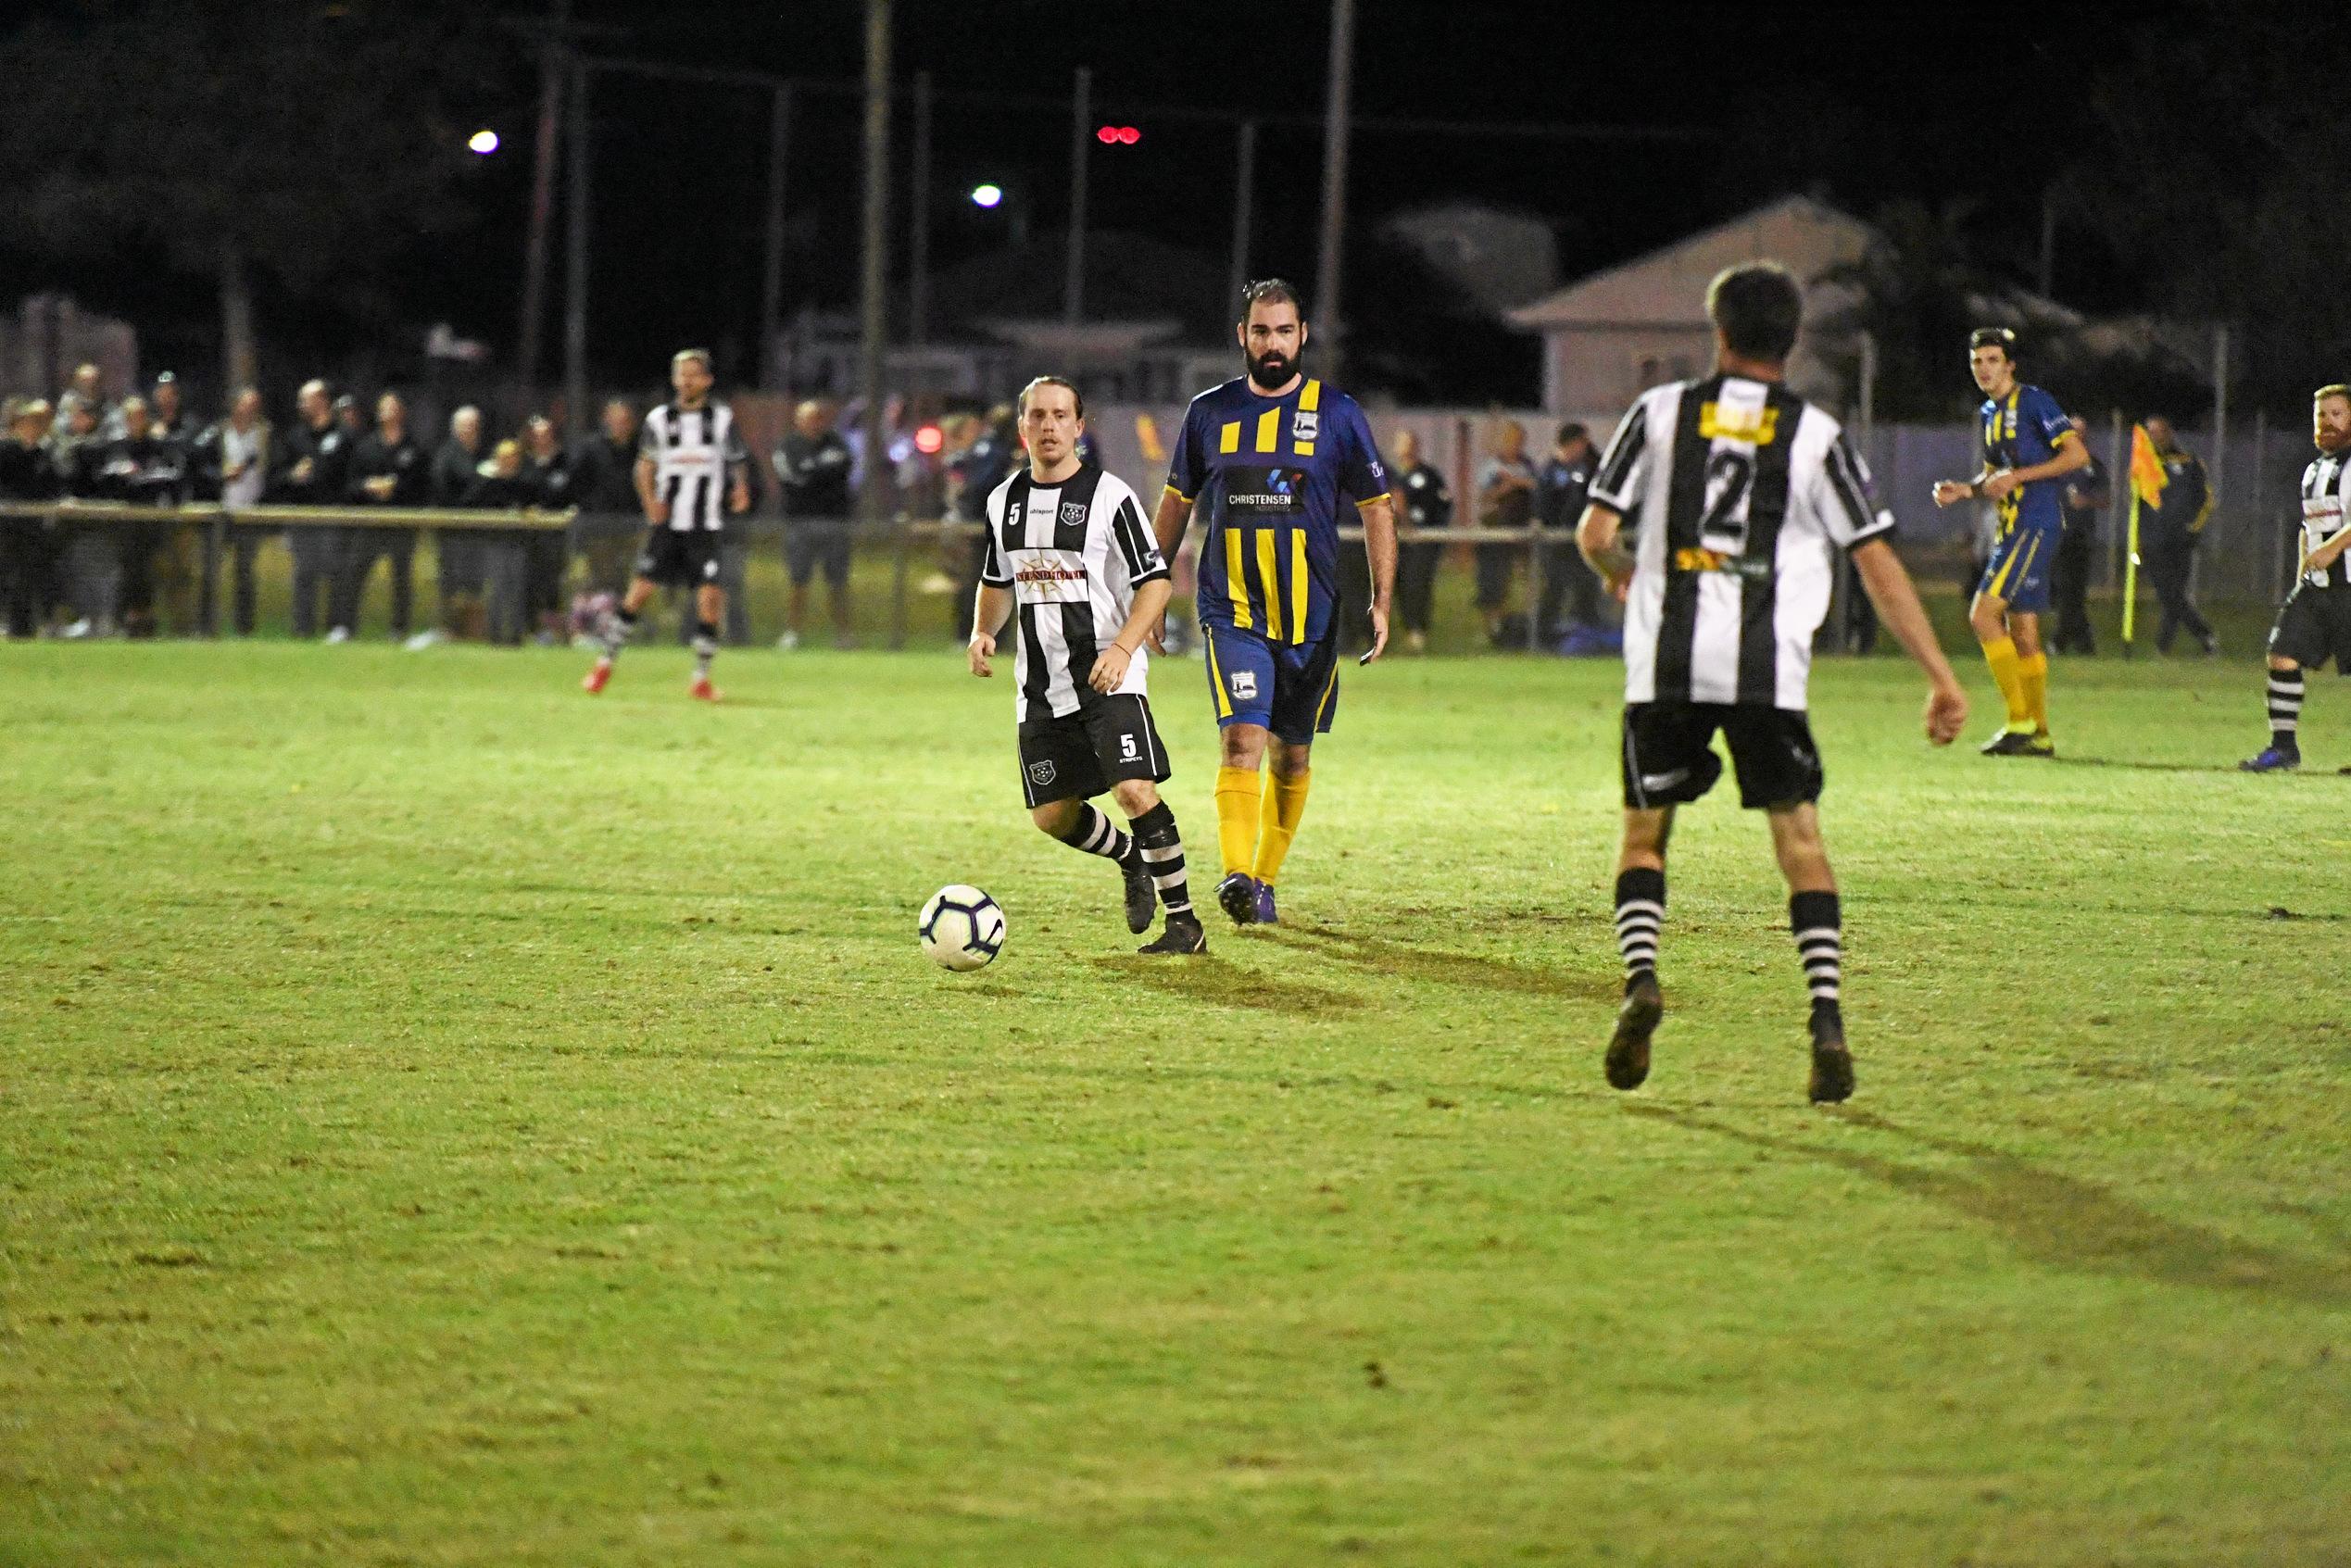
216,518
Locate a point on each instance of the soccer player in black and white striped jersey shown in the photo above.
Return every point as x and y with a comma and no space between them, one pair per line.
1737,488
692,470
1067,551
2314,624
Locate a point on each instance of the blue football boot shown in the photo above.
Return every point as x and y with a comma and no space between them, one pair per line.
1237,896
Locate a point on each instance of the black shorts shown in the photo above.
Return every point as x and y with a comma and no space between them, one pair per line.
2315,626
1080,754
1669,757
680,558
812,545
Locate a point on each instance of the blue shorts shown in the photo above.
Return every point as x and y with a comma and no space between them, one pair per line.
1289,688
2022,566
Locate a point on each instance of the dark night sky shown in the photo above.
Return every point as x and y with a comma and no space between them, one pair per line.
1862,103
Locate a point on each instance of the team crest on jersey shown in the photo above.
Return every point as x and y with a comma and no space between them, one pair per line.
1073,514
1306,425
1040,774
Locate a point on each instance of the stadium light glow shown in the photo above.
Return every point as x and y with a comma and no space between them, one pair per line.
482,143
987,195
928,440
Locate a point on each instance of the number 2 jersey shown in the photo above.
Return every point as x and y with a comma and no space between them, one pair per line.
2326,508
1735,490
1073,553
1267,476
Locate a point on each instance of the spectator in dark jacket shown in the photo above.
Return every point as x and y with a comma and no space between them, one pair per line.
502,486
2169,537
313,470
611,518
179,558
456,466
1560,489
555,480
812,466
2087,494
1427,505
29,552
388,469
140,469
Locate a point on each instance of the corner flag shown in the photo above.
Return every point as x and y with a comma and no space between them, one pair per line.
2147,479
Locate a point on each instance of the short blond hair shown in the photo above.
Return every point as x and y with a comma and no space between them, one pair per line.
2339,389
699,354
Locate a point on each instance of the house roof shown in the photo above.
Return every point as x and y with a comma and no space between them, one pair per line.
1668,286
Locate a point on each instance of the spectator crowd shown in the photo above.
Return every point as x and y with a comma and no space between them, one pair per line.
69,577
94,579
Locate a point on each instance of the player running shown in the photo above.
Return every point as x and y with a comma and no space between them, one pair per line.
2315,626
1736,488
1267,456
1067,552
2028,448
690,462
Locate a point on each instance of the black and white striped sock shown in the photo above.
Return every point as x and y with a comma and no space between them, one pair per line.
1640,918
2285,708
614,633
705,646
1820,944
1097,834
1163,849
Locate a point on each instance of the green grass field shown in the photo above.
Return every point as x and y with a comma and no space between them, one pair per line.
448,1121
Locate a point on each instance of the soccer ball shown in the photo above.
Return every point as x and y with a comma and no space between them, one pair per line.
962,928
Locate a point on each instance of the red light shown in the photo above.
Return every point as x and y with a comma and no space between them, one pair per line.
1129,136
1107,135
1117,135
927,440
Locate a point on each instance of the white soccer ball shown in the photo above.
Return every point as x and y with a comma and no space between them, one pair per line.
962,928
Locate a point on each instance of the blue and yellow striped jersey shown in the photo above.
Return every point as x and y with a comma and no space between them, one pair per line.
2022,429
1266,476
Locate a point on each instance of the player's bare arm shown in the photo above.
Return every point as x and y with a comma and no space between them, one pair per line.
1889,589
2071,456
1951,492
2328,552
1143,618
738,496
1379,544
1168,523
1599,538
657,511
995,606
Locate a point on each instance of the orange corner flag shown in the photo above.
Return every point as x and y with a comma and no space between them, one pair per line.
2147,478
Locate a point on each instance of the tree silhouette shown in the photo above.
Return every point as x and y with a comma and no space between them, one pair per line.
300,140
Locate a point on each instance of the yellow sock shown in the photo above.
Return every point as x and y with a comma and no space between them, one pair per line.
1285,806
2007,673
1237,809
2033,676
